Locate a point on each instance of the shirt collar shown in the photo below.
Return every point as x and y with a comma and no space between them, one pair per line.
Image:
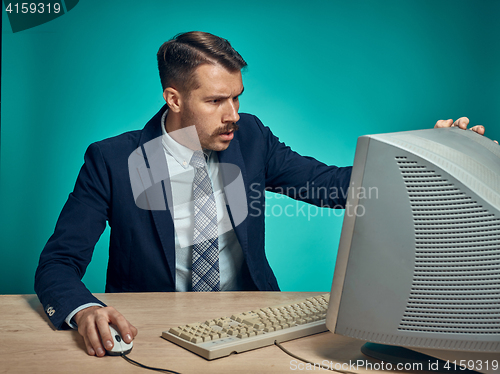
179,152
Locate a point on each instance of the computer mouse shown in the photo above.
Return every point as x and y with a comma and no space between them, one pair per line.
119,347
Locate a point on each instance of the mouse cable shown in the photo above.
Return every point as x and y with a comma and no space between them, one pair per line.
310,362
129,360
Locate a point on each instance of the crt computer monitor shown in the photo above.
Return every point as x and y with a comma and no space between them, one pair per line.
418,264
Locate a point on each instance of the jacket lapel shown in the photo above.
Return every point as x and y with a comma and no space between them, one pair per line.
234,178
158,170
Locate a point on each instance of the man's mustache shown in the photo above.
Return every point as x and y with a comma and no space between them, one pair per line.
227,128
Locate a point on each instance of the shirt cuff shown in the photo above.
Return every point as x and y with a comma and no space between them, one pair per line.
72,314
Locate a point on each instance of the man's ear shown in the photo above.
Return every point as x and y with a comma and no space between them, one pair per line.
173,98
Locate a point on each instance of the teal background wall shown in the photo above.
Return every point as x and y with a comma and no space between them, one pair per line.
321,73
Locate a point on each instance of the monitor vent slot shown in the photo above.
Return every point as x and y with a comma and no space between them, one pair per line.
456,280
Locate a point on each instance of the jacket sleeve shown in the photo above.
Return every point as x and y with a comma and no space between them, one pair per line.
303,178
65,258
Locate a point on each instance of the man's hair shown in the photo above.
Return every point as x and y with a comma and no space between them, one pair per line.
179,57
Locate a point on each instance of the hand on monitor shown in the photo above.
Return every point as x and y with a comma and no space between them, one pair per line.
93,325
462,123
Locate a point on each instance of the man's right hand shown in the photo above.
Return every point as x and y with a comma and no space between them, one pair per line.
93,324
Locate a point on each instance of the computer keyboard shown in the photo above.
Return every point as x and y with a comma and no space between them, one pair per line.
254,329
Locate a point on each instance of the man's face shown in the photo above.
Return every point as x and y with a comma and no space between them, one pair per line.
213,107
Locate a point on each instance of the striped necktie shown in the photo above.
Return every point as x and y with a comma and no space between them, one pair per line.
205,268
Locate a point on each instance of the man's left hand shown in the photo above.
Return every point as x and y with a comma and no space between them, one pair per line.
462,122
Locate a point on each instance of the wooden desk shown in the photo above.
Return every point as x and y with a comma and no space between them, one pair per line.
29,343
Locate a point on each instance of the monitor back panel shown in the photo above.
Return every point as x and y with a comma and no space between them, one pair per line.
419,257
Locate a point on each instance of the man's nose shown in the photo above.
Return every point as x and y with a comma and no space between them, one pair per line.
231,114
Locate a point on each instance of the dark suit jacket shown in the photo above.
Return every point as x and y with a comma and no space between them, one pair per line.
141,251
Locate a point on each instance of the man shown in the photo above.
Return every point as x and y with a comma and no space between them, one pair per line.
152,248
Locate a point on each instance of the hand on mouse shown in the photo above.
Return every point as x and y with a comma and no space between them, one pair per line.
93,325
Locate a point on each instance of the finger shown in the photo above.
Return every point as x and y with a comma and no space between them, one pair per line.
462,122
105,333
134,329
443,123
127,331
94,339
90,350
479,129
133,333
